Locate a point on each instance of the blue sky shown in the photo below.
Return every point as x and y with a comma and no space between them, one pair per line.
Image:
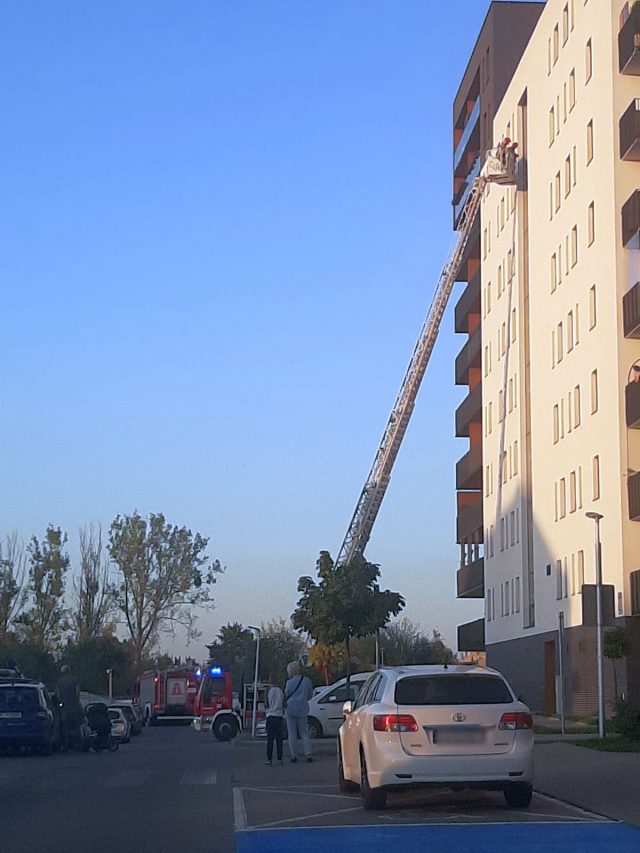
222,225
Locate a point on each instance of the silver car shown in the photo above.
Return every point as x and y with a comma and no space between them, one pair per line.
460,726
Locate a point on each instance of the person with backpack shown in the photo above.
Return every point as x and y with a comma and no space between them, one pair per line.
297,692
275,720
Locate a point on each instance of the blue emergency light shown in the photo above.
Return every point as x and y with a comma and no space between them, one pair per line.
216,670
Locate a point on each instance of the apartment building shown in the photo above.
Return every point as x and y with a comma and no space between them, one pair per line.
560,321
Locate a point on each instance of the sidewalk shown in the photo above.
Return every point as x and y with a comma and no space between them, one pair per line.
604,782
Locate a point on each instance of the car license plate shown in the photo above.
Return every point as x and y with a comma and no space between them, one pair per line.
10,715
458,737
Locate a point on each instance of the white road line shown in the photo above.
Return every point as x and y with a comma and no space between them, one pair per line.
306,817
239,812
199,776
268,828
593,815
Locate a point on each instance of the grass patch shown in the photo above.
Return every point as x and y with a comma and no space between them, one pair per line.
569,729
616,744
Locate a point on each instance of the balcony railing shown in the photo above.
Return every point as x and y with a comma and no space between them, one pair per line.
631,221
469,356
470,580
631,312
630,132
632,405
629,43
469,518
469,469
468,411
471,636
462,197
633,488
469,303
469,127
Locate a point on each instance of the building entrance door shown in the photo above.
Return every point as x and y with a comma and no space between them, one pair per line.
550,677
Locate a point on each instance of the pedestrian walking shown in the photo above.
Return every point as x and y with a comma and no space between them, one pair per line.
275,720
297,692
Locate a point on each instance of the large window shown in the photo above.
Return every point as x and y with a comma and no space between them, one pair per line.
449,689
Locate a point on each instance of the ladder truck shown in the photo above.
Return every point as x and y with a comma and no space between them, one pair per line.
499,168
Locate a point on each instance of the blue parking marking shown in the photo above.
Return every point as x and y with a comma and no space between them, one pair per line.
481,838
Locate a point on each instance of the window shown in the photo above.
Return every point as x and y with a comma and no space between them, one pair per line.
572,90
515,458
594,391
576,324
589,142
591,224
489,298
596,478
502,537
574,170
567,176
588,61
561,418
490,418
511,395
592,307
557,190
574,245
554,272
556,424
565,24
458,689
559,341
513,325
555,44
569,412
517,595
576,406
580,487
573,492
563,498
564,102
580,571
558,580
569,331
500,406
553,348
552,125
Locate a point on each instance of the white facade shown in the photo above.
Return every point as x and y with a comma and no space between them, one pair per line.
568,384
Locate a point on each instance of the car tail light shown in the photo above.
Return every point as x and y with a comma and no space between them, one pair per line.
394,723
511,722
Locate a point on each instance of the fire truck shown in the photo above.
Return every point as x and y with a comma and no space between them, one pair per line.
214,708
168,694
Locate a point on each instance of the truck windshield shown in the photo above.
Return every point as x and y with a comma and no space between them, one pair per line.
213,687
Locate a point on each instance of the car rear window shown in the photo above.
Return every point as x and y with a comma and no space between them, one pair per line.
452,690
19,699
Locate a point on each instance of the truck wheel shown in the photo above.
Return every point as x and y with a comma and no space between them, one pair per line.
225,727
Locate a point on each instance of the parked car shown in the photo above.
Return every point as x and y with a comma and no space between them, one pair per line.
28,715
120,725
325,706
134,718
453,725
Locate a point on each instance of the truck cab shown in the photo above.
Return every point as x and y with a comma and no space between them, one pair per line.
214,706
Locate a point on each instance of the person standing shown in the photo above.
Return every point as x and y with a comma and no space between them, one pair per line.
71,711
297,691
275,720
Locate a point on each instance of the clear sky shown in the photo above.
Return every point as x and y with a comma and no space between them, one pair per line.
221,227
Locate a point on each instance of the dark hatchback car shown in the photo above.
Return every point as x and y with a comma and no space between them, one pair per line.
28,716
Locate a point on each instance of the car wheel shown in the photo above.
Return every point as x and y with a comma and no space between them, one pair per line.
372,798
345,785
518,795
315,728
225,727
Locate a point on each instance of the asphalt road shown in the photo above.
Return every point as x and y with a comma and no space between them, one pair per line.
173,789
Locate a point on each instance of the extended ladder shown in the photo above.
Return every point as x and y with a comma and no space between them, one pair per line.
497,169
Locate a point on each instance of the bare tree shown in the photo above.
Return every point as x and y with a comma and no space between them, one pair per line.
13,593
93,596
45,620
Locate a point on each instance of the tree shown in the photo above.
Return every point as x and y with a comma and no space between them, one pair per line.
44,621
347,602
164,575
12,582
91,657
234,651
324,657
405,643
616,646
279,644
93,595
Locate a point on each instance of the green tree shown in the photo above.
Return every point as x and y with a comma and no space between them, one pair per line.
93,595
326,658
12,582
43,622
616,646
234,651
346,602
90,658
279,644
164,574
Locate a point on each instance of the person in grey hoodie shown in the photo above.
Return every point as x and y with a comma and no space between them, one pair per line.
297,692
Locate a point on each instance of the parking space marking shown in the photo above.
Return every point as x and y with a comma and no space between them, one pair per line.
274,823
301,793
239,811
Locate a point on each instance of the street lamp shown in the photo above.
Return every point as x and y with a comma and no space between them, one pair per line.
110,675
596,516
255,679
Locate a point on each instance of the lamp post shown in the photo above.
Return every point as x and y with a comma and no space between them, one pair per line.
110,675
596,516
255,679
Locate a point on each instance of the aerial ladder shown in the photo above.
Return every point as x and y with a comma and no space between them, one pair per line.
499,168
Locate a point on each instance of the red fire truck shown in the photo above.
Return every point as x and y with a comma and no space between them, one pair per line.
168,694
214,709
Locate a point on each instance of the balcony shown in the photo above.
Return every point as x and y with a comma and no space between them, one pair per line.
469,469
631,221
471,636
632,407
630,132
631,312
469,518
469,303
469,356
470,580
462,196
467,134
468,411
629,43
633,488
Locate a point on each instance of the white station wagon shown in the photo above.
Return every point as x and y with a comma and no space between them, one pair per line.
453,725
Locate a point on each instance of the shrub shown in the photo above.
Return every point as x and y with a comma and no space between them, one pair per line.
626,720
